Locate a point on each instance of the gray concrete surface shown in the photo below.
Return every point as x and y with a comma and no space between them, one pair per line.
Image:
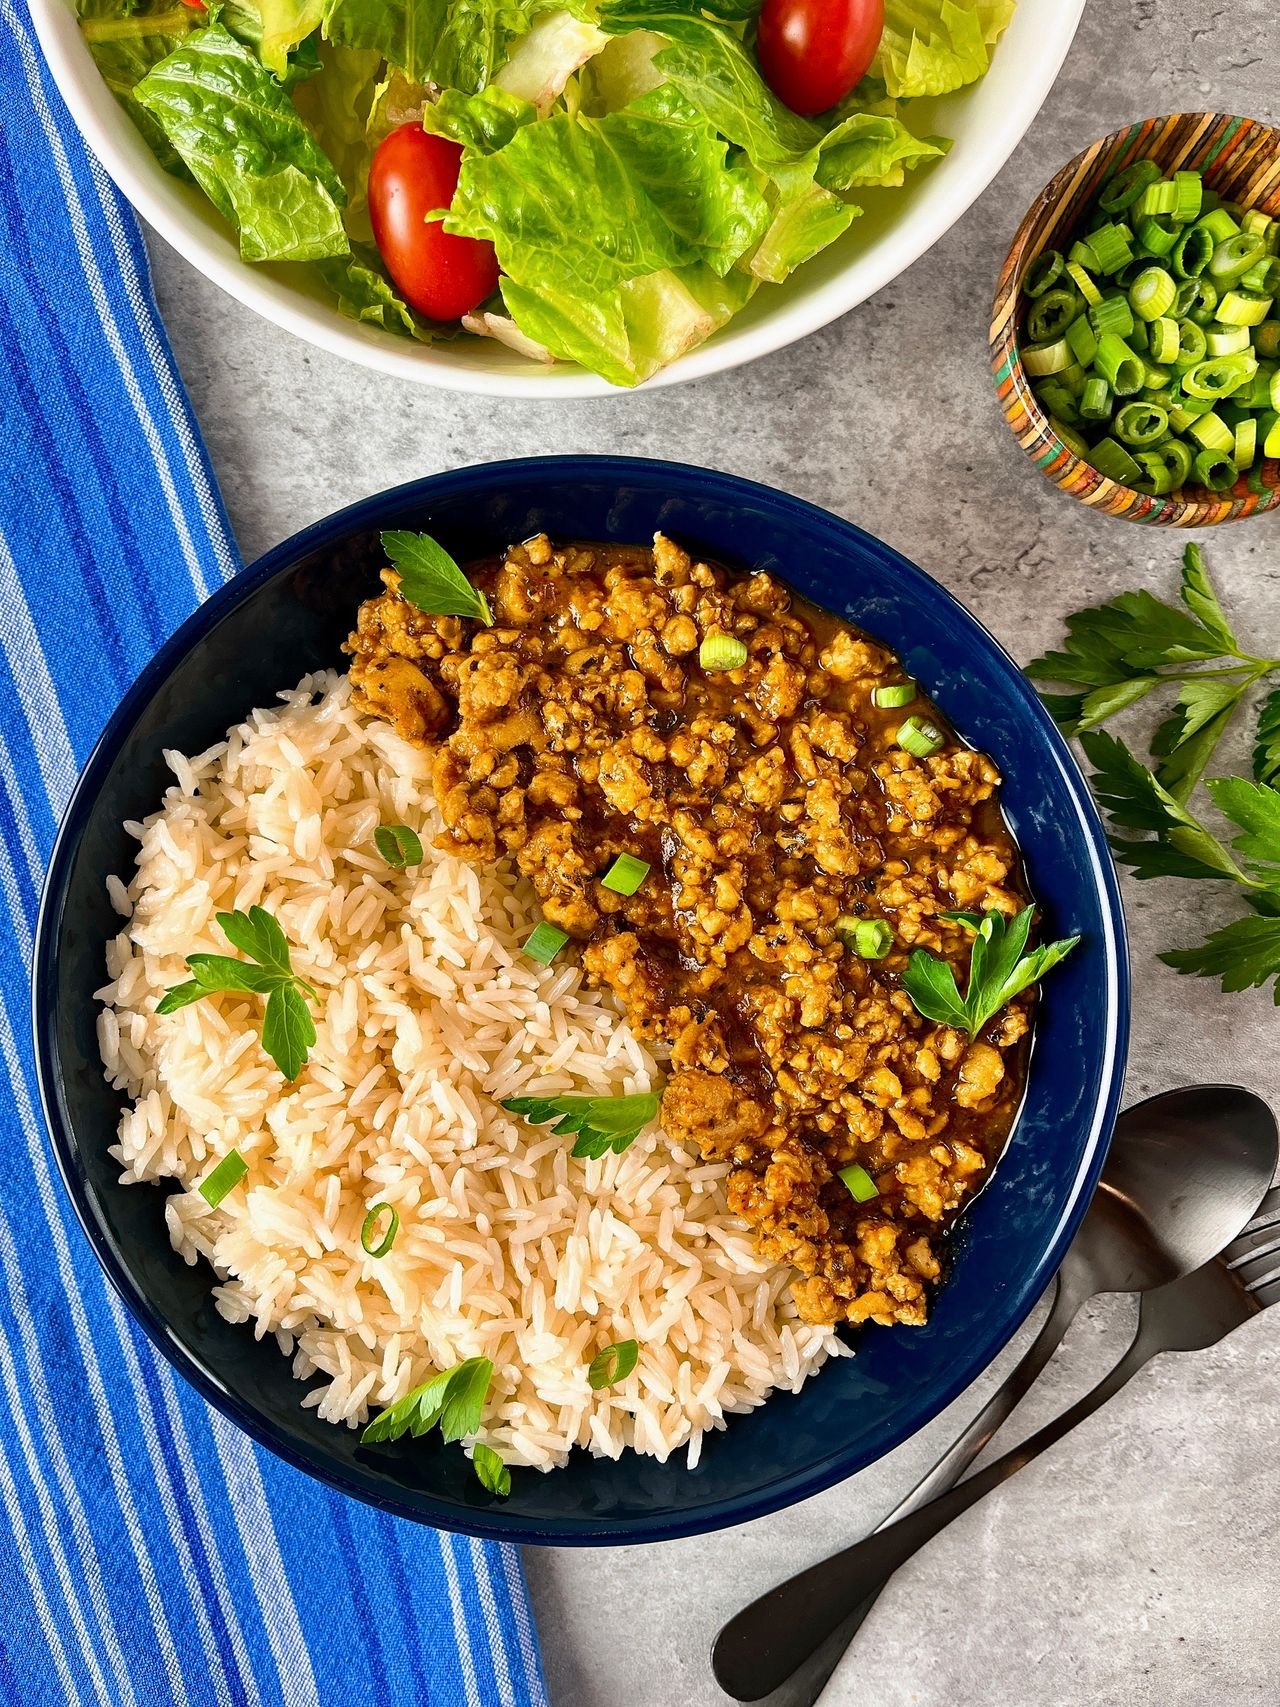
1139,1563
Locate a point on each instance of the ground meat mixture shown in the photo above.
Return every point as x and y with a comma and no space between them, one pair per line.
770,801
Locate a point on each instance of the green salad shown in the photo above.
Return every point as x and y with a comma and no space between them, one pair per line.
624,174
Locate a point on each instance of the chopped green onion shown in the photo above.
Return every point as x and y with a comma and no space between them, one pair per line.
1188,290
1082,279
1263,277
1266,339
1212,432
1095,402
1069,436
1190,254
544,942
1218,224
1058,400
1206,302
1118,365
1193,345
1227,340
1155,377
1051,314
1122,190
858,1183
720,651
1246,445
625,875
398,845
893,694
613,1364
1072,377
368,1233
1232,258
870,939
1112,314
1188,196
1157,236
1166,340
1160,197
1082,340
224,1178
1043,272
1243,308
1152,293
1111,247
1141,424
1269,425
1039,359
1112,460
919,737
1257,223
1164,467
1215,470
1219,376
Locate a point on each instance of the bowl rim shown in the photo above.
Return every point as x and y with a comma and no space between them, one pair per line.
110,135
493,1524
1049,451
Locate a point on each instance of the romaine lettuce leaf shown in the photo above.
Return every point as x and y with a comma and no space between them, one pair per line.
457,44
930,47
806,218
363,293
285,23
247,147
482,122
873,149
336,104
126,46
663,198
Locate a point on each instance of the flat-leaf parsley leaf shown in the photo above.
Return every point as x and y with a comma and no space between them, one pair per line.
431,580
999,969
288,1030
602,1123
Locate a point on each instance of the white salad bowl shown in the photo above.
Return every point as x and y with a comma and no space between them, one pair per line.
985,123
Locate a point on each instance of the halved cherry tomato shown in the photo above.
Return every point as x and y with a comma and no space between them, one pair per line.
812,52
441,276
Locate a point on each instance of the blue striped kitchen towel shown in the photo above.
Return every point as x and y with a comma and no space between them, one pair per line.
150,1554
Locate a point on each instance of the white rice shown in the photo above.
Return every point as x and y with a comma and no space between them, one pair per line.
427,1016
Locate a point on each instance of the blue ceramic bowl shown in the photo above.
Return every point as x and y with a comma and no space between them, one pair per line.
288,614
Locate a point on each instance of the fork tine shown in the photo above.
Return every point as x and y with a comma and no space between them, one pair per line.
1268,1293
1257,1242
1252,1274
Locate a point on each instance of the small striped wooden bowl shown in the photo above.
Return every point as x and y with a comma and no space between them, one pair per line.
1240,159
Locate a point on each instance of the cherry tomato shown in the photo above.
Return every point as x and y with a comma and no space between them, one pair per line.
196,5
441,276
812,52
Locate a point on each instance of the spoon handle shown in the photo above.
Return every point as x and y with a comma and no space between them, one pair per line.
759,1648
1069,1291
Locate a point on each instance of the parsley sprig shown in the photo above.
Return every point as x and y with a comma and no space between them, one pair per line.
602,1123
1118,653
288,1030
431,580
1000,967
1125,649
454,1400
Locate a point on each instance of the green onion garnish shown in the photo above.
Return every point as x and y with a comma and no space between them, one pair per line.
720,651
919,737
398,844
870,939
858,1182
613,1364
625,875
1163,309
893,695
224,1178
368,1233
544,942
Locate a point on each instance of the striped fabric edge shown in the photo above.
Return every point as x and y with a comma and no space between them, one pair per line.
1240,158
